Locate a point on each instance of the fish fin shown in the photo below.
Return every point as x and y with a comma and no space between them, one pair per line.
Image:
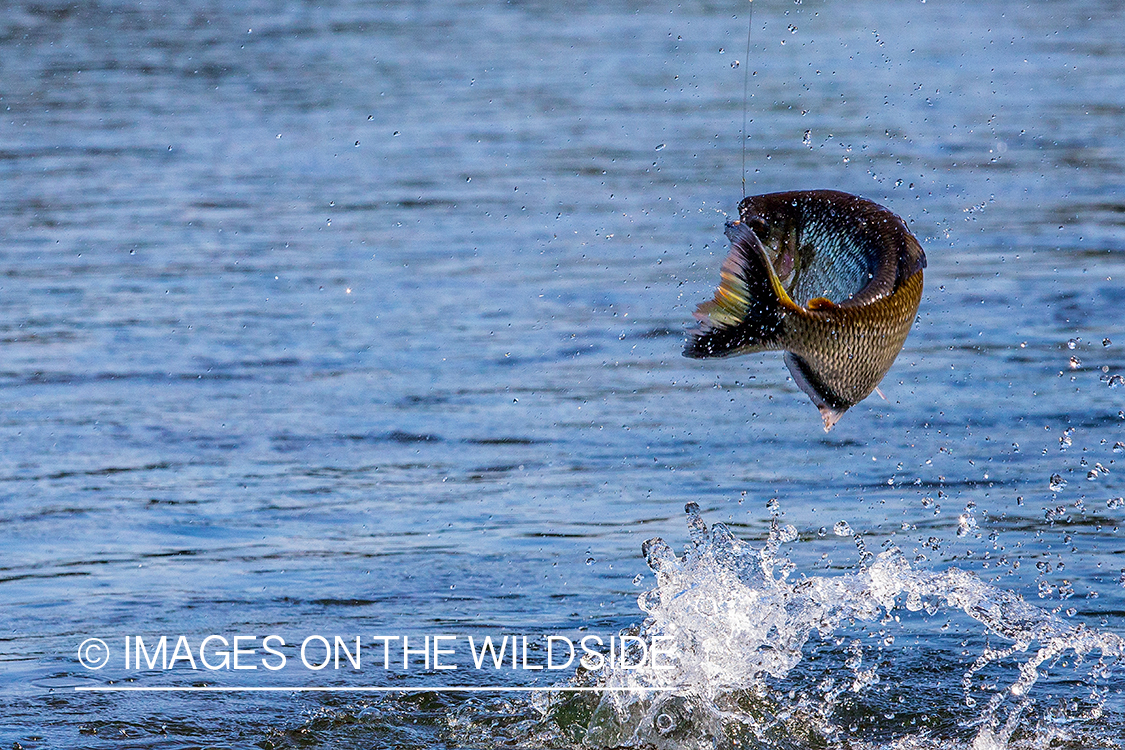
831,408
913,259
821,303
880,393
830,416
746,312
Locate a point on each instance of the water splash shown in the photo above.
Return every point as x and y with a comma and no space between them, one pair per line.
771,663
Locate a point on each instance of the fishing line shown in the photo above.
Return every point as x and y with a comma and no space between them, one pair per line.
745,90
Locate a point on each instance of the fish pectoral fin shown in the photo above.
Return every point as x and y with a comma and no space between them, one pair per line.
831,408
821,303
746,311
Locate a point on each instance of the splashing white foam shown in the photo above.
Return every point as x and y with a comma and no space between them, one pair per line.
742,627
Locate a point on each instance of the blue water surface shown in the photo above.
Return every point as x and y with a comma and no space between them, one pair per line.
352,318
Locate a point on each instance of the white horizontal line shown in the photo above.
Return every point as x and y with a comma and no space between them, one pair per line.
446,689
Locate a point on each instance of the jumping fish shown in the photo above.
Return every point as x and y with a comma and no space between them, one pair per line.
831,279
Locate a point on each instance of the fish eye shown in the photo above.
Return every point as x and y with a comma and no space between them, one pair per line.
760,227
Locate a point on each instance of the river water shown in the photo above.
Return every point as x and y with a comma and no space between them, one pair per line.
364,319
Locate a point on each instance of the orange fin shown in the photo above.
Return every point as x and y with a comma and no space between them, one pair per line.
821,303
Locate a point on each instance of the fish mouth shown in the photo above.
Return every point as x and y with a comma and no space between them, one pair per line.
757,224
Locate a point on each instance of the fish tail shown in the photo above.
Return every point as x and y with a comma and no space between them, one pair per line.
749,307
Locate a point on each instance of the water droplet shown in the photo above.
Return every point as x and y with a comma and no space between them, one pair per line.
1119,447
590,561
1075,363
1071,612
1057,483
822,531
660,147
807,140
637,579
697,527
658,555
1106,342
1065,441
1072,343
1058,513
734,64
842,529
1115,502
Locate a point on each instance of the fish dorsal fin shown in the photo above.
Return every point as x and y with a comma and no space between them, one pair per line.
822,303
745,314
749,256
